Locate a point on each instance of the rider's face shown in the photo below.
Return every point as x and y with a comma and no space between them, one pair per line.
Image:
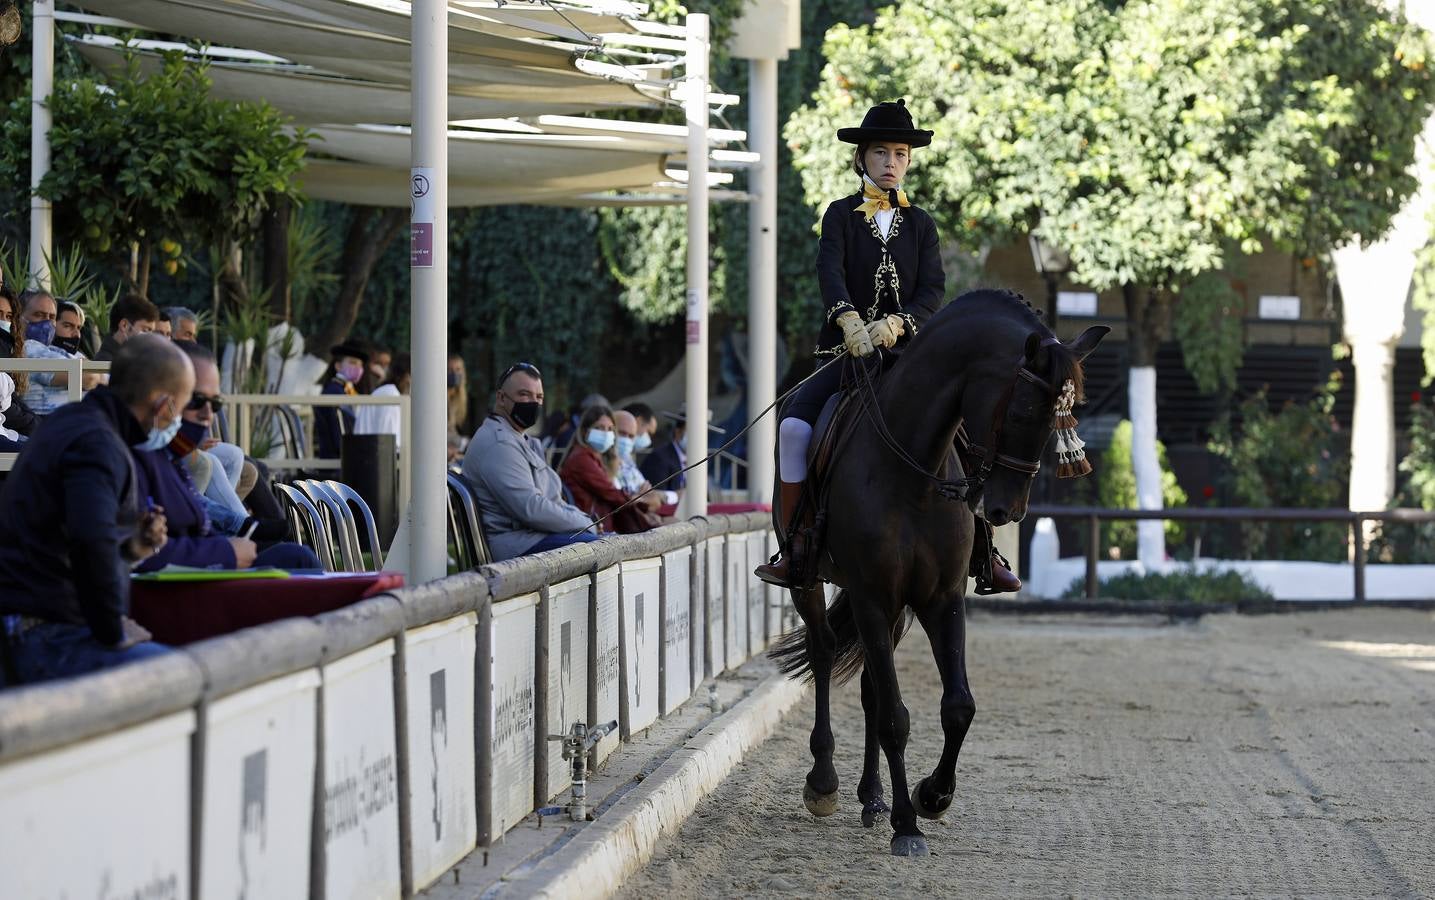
886,163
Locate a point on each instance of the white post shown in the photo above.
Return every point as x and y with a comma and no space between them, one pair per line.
1146,465
427,456
43,83
1372,445
695,498
762,275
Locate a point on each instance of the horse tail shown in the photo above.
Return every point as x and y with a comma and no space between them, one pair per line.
791,655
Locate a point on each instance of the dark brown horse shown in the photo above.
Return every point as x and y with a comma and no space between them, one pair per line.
895,540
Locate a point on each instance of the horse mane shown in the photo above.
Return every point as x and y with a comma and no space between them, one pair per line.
1064,364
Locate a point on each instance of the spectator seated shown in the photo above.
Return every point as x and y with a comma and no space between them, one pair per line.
131,315
75,522
519,496
52,331
591,470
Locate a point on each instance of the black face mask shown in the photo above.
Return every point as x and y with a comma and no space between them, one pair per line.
526,413
69,344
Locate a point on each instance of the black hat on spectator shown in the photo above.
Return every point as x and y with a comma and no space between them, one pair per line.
350,348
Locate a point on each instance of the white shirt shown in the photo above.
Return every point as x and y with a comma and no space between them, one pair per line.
383,419
7,391
884,217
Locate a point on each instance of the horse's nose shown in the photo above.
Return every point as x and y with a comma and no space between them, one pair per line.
998,517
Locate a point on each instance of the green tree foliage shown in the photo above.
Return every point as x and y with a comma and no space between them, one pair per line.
1144,137
1118,491
1413,543
1208,325
1295,457
148,158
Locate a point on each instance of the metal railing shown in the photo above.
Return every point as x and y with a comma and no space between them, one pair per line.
242,405
1353,519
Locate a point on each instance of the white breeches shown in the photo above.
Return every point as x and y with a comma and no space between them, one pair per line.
793,436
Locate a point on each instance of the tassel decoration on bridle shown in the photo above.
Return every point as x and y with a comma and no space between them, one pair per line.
1070,449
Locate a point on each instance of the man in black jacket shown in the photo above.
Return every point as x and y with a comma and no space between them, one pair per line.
74,524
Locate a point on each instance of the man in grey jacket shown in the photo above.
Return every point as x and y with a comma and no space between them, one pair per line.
518,493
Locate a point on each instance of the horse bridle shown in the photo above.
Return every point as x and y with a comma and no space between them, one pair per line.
963,488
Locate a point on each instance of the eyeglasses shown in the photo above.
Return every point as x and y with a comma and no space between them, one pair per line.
198,401
524,367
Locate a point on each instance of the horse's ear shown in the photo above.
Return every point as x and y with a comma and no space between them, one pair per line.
1033,346
1083,345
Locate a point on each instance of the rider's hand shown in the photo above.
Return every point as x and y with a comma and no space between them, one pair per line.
854,334
885,331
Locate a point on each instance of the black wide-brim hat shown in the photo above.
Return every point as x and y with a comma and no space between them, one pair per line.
352,348
887,121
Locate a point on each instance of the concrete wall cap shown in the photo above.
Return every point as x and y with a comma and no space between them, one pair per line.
253,655
526,574
442,599
360,625
50,715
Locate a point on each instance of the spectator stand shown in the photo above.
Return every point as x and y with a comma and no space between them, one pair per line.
367,750
74,368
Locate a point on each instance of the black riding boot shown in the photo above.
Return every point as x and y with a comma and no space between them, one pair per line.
780,571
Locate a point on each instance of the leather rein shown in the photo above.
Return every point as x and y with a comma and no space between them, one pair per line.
991,455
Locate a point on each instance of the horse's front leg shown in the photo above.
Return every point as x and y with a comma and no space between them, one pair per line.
893,723
819,794
945,624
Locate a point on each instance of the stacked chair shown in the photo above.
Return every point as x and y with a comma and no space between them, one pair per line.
327,517
465,524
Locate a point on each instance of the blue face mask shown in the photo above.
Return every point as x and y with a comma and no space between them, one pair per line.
643,442
625,446
600,440
159,438
44,332
683,443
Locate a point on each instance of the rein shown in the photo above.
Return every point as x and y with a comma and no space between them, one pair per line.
966,487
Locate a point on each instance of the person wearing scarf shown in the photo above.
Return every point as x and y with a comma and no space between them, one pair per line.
879,266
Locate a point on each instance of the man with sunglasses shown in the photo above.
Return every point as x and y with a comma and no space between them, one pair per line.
518,493
216,467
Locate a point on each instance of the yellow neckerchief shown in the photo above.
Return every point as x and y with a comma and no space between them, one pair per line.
875,200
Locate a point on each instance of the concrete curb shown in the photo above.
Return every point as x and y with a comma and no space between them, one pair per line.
595,863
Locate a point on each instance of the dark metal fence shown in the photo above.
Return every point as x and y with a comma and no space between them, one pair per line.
1353,519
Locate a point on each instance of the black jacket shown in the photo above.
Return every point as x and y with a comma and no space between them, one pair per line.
663,463
69,505
850,255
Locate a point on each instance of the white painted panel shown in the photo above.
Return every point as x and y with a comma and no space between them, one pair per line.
567,671
717,640
641,583
259,790
107,817
779,603
606,639
443,811
735,595
677,576
361,810
756,593
511,728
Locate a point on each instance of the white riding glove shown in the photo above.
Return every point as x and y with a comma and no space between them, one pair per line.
854,334
885,331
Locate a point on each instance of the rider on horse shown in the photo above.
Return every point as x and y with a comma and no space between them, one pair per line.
880,269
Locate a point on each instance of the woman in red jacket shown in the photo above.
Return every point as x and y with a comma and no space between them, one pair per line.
590,471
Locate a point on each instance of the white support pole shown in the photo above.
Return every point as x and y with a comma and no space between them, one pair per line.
762,275
427,457
695,498
43,83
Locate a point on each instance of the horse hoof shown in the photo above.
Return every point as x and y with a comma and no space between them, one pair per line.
874,810
819,805
909,845
927,810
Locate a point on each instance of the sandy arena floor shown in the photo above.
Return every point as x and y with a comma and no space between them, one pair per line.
1288,755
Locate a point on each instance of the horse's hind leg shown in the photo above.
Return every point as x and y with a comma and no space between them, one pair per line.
819,794
946,628
869,789
893,724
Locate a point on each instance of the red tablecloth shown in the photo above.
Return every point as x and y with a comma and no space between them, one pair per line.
181,612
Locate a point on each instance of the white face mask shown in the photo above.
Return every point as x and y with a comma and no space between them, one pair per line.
5,327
